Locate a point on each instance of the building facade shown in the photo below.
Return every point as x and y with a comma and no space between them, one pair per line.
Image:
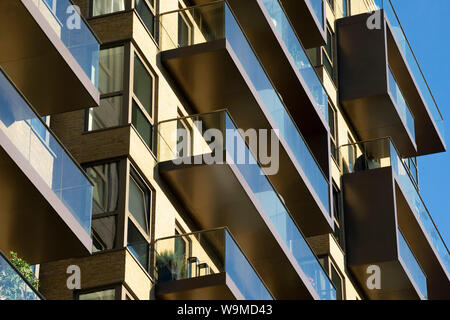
199,149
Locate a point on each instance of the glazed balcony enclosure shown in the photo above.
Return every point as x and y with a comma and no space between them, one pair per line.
50,53
382,88
46,199
215,67
221,184
13,286
205,265
387,224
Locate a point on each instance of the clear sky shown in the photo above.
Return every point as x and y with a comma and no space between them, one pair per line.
426,25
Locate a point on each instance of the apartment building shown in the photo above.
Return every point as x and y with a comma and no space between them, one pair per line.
143,214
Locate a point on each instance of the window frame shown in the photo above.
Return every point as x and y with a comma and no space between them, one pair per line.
325,55
116,287
127,6
153,10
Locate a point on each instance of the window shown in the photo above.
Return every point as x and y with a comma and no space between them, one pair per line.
184,30
184,137
105,204
332,121
143,97
345,8
109,294
351,156
138,245
412,169
139,202
336,279
109,113
100,7
106,187
328,55
331,2
337,216
145,10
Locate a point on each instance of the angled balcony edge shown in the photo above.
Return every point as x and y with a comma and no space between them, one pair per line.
287,79
231,203
371,232
67,87
311,32
370,53
212,78
217,286
42,228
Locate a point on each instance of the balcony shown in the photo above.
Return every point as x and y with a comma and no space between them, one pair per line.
50,53
380,198
382,89
221,184
308,19
205,265
284,58
13,286
215,67
58,194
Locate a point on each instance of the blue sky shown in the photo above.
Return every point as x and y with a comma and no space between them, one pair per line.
426,25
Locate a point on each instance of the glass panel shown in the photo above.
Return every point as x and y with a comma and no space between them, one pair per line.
337,281
106,187
412,265
317,6
277,212
107,115
73,31
212,252
298,53
137,203
400,103
109,294
143,85
142,125
137,244
146,15
12,284
48,158
111,70
107,6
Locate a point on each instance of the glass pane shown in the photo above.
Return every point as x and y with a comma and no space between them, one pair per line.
111,70
107,115
137,244
104,233
143,85
107,6
142,125
106,187
137,204
146,15
109,294
337,281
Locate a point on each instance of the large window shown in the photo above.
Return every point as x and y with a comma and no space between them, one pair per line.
109,113
100,7
139,207
106,187
105,204
333,123
337,217
329,54
146,11
143,101
139,202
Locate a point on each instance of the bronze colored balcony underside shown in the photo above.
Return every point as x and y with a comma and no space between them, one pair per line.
212,78
375,207
211,287
33,220
39,63
364,58
216,196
